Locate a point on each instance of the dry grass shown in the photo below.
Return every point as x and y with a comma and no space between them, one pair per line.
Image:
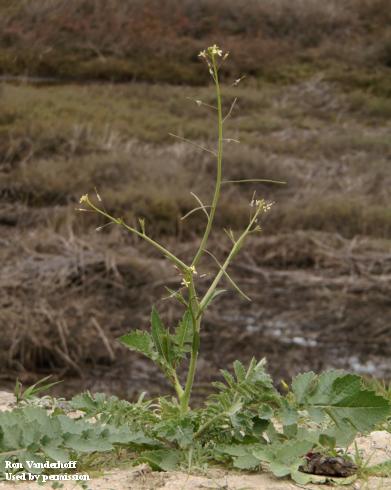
315,114
65,300
52,285
155,41
310,134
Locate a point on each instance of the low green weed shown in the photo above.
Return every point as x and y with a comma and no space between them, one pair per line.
246,423
32,392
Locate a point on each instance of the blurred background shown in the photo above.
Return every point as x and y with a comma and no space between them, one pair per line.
90,90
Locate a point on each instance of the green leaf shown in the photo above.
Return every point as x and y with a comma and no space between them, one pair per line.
288,414
233,449
158,330
265,412
124,435
35,389
88,443
343,435
240,371
381,469
12,436
308,434
327,441
303,385
161,459
85,401
241,454
184,331
305,478
180,432
260,425
161,338
284,457
279,469
264,453
290,431
53,451
246,462
30,456
30,432
300,477
342,397
70,426
140,341
292,450
234,408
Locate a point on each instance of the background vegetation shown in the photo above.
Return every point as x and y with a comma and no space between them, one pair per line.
78,110
116,40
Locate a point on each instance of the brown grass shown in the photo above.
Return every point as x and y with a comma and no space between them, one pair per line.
158,41
315,114
65,300
310,134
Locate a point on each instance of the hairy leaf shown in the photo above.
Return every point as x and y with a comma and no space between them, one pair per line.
140,341
161,459
342,397
283,457
27,433
183,333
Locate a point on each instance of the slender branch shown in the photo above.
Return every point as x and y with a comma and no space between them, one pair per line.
246,181
230,109
200,203
235,249
199,208
193,143
230,280
145,237
200,103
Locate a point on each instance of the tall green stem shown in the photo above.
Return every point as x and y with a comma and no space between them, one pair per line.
216,195
193,301
196,321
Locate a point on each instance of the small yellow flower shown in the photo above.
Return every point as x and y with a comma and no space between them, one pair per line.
185,283
267,205
261,204
215,50
193,270
84,198
211,51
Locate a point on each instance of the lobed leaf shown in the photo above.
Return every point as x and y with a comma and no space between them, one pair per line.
342,397
141,342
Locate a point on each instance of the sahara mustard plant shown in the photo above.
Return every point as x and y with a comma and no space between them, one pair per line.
245,423
163,347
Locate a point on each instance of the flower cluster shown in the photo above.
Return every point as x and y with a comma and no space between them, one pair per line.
209,56
211,52
261,204
186,280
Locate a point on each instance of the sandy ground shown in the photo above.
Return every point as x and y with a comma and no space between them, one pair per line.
375,448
